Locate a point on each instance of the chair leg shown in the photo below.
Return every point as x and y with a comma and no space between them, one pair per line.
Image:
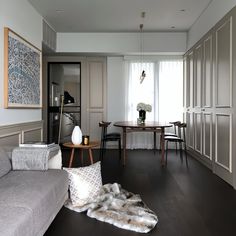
160,144
181,151
101,151
185,150
104,147
166,150
119,142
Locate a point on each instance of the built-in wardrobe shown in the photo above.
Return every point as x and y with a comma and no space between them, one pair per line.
210,98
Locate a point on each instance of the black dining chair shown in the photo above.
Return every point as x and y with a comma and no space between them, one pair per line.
180,139
175,126
108,137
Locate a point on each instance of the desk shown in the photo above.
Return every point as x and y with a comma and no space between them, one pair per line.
151,126
89,147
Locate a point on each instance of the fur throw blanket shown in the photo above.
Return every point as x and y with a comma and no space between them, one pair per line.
119,207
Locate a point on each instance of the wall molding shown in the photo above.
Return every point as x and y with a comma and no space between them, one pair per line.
8,132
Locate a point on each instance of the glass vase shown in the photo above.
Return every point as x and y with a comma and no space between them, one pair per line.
142,116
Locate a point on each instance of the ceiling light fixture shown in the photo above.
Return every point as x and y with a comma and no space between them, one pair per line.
143,74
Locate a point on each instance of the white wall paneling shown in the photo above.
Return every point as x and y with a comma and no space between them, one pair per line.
198,132
94,130
224,64
191,78
10,139
33,134
207,135
223,141
190,129
214,61
49,36
13,135
207,72
198,76
96,95
96,84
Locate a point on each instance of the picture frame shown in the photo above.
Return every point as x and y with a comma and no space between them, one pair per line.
22,72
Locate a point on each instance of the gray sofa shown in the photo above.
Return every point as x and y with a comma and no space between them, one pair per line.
29,200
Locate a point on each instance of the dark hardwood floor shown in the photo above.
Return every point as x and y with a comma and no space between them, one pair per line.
189,200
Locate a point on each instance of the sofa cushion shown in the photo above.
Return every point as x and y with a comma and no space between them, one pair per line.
5,164
38,191
16,221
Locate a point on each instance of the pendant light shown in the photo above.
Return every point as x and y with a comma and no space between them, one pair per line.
143,73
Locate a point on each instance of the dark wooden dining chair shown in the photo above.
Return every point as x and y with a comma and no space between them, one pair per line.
175,124
108,137
175,134
179,139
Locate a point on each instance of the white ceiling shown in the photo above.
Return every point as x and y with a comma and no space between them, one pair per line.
120,15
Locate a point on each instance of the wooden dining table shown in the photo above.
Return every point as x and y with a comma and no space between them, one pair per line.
148,126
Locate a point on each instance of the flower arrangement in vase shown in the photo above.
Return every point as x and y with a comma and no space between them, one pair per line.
142,108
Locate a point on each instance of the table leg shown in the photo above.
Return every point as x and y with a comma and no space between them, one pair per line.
90,155
124,145
155,145
71,157
162,146
82,157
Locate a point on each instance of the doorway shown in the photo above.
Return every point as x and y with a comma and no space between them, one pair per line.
64,100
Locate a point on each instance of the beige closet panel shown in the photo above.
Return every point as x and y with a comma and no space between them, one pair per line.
96,94
207,135
198,76
198,131
191,79
224,64
32,135
96,84
223,143
95,130
187,82
207,72
10,139
190,129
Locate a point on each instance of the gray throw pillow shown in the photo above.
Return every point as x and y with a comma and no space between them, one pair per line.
5,164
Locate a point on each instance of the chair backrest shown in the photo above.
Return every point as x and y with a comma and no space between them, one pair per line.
176,123
181,130
104,125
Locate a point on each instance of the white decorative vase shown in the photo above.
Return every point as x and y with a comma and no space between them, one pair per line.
76,136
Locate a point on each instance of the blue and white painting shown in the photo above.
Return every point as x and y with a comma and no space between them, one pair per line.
24,78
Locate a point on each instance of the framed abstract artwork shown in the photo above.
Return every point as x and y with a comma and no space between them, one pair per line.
22,72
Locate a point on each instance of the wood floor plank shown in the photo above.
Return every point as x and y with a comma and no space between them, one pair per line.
188,200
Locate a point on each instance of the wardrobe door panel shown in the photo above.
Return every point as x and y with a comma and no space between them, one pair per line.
224,65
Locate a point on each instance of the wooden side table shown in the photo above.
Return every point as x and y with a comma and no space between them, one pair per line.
92,144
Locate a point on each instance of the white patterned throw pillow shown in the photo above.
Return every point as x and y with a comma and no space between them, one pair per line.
84,183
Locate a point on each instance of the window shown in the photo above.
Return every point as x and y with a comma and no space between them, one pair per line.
162,89
137,92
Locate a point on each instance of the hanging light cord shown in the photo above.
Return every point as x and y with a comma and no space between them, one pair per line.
143,74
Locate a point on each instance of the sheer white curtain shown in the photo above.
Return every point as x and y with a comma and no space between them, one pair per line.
137,93
163,84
